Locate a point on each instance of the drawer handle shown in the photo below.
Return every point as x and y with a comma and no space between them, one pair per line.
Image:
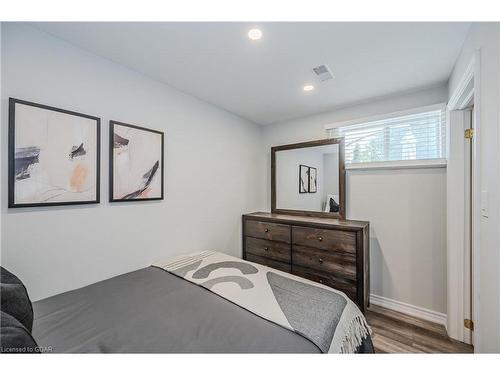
266,230
266,249
320,281
320,260
320,238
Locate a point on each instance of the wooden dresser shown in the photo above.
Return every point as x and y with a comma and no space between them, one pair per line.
329,251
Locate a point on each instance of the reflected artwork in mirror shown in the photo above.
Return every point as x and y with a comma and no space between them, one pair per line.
313,183
303,179
318,166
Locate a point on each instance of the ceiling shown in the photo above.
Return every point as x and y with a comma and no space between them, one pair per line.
262,80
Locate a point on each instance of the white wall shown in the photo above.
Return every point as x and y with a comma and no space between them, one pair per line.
213,165
486,38
407,213
406,208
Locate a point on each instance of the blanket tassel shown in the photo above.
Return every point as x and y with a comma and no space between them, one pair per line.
358,330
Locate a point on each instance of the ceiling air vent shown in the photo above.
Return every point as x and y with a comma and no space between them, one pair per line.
323,73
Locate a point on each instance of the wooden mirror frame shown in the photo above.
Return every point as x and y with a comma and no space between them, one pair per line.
342,178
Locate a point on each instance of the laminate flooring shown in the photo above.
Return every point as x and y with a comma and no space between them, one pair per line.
394,332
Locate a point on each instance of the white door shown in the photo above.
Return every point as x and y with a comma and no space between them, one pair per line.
468,201
459,225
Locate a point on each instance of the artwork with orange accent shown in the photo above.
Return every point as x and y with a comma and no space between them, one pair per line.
53,156
136,163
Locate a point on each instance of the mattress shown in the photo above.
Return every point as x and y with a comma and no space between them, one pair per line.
153,311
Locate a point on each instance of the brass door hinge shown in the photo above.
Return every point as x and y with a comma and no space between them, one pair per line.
469,324
469,133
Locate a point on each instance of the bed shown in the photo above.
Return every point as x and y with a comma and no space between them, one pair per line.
154,311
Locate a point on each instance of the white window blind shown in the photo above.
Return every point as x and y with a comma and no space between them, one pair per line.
418,136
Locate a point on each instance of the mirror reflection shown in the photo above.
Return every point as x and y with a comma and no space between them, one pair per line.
307,179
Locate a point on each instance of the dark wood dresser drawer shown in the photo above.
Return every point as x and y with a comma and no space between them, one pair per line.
342,264
326,239
285,267
329,279
269,249
267,231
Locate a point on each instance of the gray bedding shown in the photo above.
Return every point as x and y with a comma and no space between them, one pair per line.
153,311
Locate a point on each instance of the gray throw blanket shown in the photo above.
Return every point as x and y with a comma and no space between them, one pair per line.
325,316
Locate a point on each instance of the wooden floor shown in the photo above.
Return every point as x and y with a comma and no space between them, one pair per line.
394,332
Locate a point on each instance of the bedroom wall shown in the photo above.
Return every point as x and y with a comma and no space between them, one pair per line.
485,37
406,207
213,164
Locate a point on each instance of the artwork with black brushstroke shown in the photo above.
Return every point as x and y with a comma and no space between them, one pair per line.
53,156
303,179
136,163
313,180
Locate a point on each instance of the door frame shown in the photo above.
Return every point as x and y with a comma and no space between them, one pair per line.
469,86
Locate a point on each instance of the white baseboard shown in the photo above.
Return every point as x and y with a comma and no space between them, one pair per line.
406,308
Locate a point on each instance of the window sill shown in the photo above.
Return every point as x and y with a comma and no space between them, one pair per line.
403,164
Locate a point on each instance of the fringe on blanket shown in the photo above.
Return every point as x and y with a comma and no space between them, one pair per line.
357,331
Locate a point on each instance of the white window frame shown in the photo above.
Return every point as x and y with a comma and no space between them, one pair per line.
399,164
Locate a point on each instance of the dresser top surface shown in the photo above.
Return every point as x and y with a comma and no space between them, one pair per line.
302,219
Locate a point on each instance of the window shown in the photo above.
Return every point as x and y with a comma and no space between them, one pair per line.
417,136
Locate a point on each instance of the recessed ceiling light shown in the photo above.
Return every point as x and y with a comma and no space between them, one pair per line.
255,34
308,87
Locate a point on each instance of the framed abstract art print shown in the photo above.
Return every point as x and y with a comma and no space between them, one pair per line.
303,179
313,180
136,163
54,156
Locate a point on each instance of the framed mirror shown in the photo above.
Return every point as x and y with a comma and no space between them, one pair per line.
309,178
